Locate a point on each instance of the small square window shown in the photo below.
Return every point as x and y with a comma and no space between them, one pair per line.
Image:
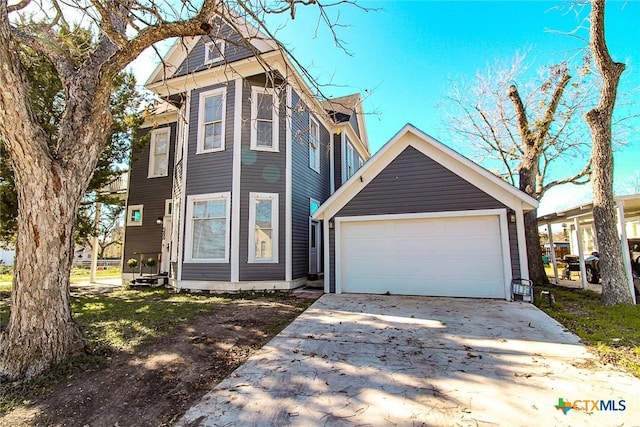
213,51
134,215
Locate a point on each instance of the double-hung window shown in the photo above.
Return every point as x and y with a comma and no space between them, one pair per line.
208,218
263,227
159,153
314,145
264,119
213,51
211,121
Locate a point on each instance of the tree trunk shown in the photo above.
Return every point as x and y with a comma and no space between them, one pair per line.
615,284
41,331
527,183
537,272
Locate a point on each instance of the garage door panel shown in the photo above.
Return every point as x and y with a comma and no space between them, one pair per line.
457,256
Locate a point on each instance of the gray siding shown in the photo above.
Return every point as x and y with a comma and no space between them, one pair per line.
306,183
261,172
353,120
337,161
513,250
414,183
209,173
235,50
151,193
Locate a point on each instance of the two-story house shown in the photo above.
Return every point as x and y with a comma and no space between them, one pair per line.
239,156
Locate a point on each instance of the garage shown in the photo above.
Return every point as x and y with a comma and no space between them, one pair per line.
420,219
439,256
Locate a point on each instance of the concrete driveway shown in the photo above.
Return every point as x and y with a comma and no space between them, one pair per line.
390,360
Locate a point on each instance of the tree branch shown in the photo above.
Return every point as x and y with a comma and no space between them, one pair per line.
18,6
575,179
521,115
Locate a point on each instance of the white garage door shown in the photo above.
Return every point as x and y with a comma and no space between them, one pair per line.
454,256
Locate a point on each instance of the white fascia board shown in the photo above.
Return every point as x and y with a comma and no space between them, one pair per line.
154,120
183,45
222,74
473,173
295,80
357,143
411,136
175,56
363,127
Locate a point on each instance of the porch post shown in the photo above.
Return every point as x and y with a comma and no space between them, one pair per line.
552,250
583,273
625,247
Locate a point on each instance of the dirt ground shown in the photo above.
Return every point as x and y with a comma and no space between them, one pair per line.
157,384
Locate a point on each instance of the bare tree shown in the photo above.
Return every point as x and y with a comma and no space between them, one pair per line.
615,284
524,136
51,178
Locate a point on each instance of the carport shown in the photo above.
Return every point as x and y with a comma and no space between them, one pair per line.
579,220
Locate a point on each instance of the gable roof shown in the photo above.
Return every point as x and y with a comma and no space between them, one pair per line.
181,47
409,135
345,108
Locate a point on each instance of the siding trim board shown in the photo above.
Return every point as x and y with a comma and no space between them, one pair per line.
235,184
288,269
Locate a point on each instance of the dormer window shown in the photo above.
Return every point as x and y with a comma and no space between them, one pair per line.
213,51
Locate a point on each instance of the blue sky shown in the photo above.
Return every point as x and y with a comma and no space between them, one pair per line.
405,55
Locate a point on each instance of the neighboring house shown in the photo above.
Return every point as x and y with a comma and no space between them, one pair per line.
239,157
7,255
420,219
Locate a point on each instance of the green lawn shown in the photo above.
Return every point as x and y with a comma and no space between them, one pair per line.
613,332
77,275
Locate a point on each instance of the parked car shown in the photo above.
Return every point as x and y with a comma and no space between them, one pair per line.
592,263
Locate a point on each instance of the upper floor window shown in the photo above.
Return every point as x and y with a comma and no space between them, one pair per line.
263,227
360,162
350,164
134,215
314,145
159,153
264,119
207,234
213,51
211,121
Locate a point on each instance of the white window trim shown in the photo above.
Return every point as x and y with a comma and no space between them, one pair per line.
188,243
316,166
200,145
253,197
130,210
152,149
348,160
215,46
360,162
274,119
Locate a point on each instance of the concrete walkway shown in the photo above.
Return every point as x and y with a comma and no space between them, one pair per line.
390,360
